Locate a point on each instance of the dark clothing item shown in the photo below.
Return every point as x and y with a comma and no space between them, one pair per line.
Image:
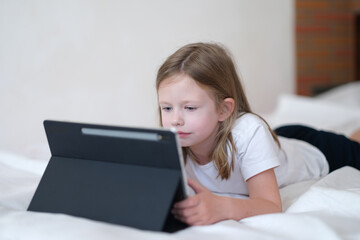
339,150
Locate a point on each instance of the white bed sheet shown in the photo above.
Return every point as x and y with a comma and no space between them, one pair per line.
328,208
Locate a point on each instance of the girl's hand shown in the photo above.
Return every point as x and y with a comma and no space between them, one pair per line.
201,209
207,208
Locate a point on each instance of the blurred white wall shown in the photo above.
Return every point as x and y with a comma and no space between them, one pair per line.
96,60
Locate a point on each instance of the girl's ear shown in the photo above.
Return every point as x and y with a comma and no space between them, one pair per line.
226,109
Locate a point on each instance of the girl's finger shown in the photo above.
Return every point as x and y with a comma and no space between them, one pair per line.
197,187
190,202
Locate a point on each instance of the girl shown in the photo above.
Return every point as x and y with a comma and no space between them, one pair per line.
229,151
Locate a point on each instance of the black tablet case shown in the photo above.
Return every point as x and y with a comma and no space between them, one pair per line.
104,177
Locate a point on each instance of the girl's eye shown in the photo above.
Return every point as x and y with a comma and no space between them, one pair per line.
166,109
190,108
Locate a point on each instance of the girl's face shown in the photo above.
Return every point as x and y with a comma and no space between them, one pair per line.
189,108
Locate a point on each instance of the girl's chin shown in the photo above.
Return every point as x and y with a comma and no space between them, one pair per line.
184,143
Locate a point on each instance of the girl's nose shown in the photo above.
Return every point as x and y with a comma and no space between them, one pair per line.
177,120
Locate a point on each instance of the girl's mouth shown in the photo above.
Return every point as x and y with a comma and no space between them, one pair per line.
183,134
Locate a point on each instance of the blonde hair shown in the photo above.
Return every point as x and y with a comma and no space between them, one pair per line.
212,66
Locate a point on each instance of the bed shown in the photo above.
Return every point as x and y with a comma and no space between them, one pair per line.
327,208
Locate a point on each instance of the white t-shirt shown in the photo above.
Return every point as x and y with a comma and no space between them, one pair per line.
256,152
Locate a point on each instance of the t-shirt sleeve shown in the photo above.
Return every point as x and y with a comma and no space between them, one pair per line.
261,154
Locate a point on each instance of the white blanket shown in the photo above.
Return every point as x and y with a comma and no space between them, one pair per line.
328,208
325,209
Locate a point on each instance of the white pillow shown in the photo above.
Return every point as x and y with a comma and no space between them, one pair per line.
315,112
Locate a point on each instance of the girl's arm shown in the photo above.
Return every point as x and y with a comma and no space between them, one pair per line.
207,208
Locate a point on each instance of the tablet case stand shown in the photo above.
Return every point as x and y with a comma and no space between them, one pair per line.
87,176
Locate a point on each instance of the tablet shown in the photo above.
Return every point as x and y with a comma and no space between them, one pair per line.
116,174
